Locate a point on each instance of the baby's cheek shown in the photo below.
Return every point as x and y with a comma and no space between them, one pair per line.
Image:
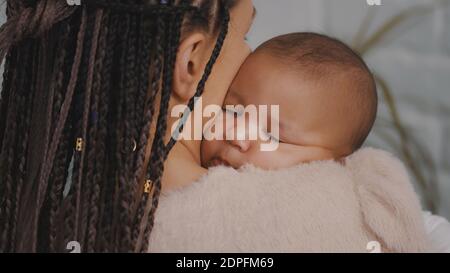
285,156
270,160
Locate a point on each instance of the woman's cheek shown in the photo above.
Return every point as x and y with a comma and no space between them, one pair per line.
235,52
232,56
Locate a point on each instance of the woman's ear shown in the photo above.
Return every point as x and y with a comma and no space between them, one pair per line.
189,65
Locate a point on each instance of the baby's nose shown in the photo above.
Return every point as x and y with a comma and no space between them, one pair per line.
242,145
241,133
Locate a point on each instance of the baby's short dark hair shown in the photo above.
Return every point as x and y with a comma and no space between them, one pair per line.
320,56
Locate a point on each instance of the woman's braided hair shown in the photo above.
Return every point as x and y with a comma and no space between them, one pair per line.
77,103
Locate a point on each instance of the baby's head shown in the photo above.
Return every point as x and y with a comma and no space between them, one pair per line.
326,95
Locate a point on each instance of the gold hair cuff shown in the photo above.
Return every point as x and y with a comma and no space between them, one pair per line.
79,144
148,186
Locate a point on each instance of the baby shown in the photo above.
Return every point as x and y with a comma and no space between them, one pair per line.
327,102
327,106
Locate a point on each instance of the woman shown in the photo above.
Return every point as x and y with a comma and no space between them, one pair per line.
84,113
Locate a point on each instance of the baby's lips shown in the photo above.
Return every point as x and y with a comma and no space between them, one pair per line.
218,162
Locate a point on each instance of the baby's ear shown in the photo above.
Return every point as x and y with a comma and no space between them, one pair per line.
189,65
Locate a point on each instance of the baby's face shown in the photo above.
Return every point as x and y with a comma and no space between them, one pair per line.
310,125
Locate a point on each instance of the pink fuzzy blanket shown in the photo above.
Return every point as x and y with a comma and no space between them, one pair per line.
316,207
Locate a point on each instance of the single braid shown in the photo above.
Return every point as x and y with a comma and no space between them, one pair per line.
130,86
21,150
162,152
87,105
4,102
7,157
122,126
68,208
82,175
145,133
107,189
158,162
59,174
6,205
42,83
4,95
163,41
94,151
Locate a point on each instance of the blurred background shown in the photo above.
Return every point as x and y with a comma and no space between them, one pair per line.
407,45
